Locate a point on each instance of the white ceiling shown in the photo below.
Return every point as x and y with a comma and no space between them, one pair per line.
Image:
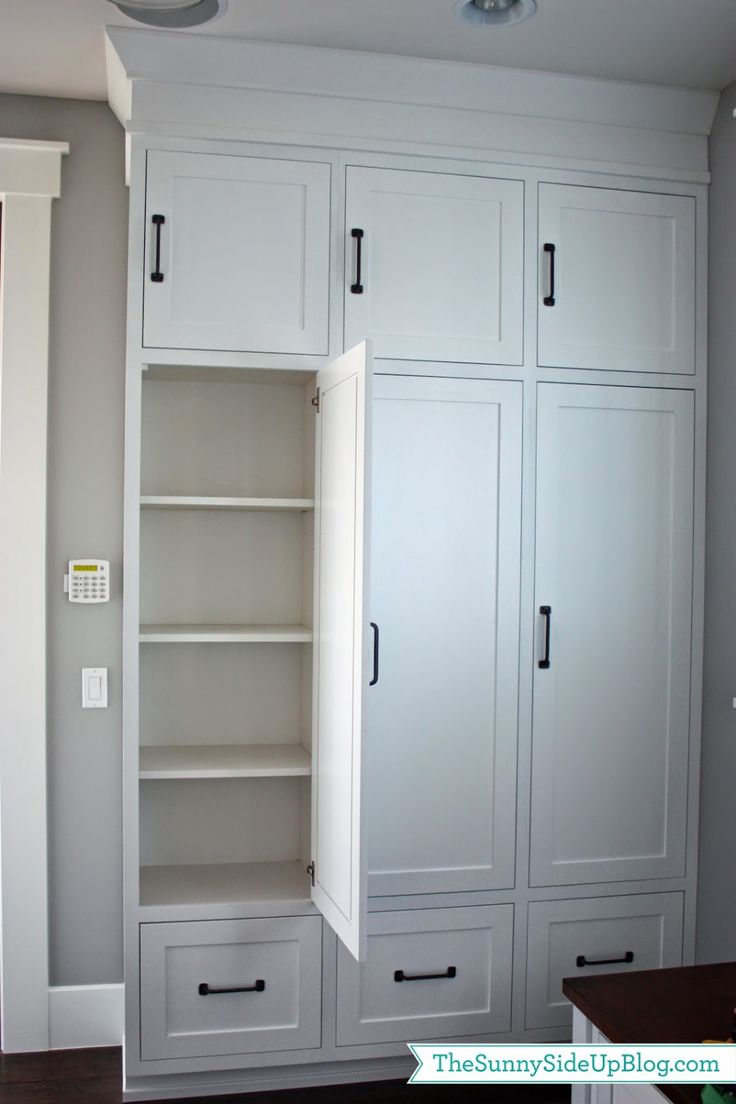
54,47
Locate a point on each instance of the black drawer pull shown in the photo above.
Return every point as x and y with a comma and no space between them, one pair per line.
549,300
581,960
357,287
546,612
205,991
157,276
399,975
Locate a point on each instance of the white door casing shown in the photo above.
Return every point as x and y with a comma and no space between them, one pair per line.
30,176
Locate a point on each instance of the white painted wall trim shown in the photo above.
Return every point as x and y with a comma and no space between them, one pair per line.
86,1016
31,168
273,1079
206,86
31,173
215,61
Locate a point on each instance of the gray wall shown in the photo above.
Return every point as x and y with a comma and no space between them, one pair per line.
86,386
716,933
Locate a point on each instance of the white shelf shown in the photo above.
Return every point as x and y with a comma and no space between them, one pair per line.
224,761
223,883
201,502
225,634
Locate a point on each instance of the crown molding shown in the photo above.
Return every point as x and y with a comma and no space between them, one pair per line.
220,87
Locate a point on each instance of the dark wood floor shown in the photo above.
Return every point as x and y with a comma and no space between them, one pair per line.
94,1077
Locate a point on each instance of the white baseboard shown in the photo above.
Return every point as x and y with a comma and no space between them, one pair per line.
217,1083
85,1016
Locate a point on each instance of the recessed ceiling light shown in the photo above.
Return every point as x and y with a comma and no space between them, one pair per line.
495,13
170,13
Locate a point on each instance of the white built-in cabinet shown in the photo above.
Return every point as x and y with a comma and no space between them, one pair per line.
411,637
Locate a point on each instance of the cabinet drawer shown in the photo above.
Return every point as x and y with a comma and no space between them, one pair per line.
390,998
275,964
574,938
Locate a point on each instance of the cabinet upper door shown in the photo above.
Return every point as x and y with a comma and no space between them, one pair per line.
441,265
237,253
341,643
441,755
614,602
617,280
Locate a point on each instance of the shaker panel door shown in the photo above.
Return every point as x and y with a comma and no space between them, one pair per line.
617,280
613,607
237,253
342,638
441,265
441,754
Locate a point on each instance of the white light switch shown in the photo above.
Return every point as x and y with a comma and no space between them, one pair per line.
94,688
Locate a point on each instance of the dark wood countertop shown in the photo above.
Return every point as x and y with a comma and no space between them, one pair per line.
683,1005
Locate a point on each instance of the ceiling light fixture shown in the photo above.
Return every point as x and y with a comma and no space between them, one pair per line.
170,13
495,13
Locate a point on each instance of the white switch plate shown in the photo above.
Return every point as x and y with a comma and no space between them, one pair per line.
94,688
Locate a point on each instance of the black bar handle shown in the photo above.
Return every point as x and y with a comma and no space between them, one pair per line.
399,975
581,960
549,300
357,287
546,612
157,276
374,680
206,991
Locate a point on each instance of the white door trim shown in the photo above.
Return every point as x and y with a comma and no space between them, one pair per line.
29,179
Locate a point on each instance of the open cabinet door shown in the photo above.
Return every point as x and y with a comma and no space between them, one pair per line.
341,643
